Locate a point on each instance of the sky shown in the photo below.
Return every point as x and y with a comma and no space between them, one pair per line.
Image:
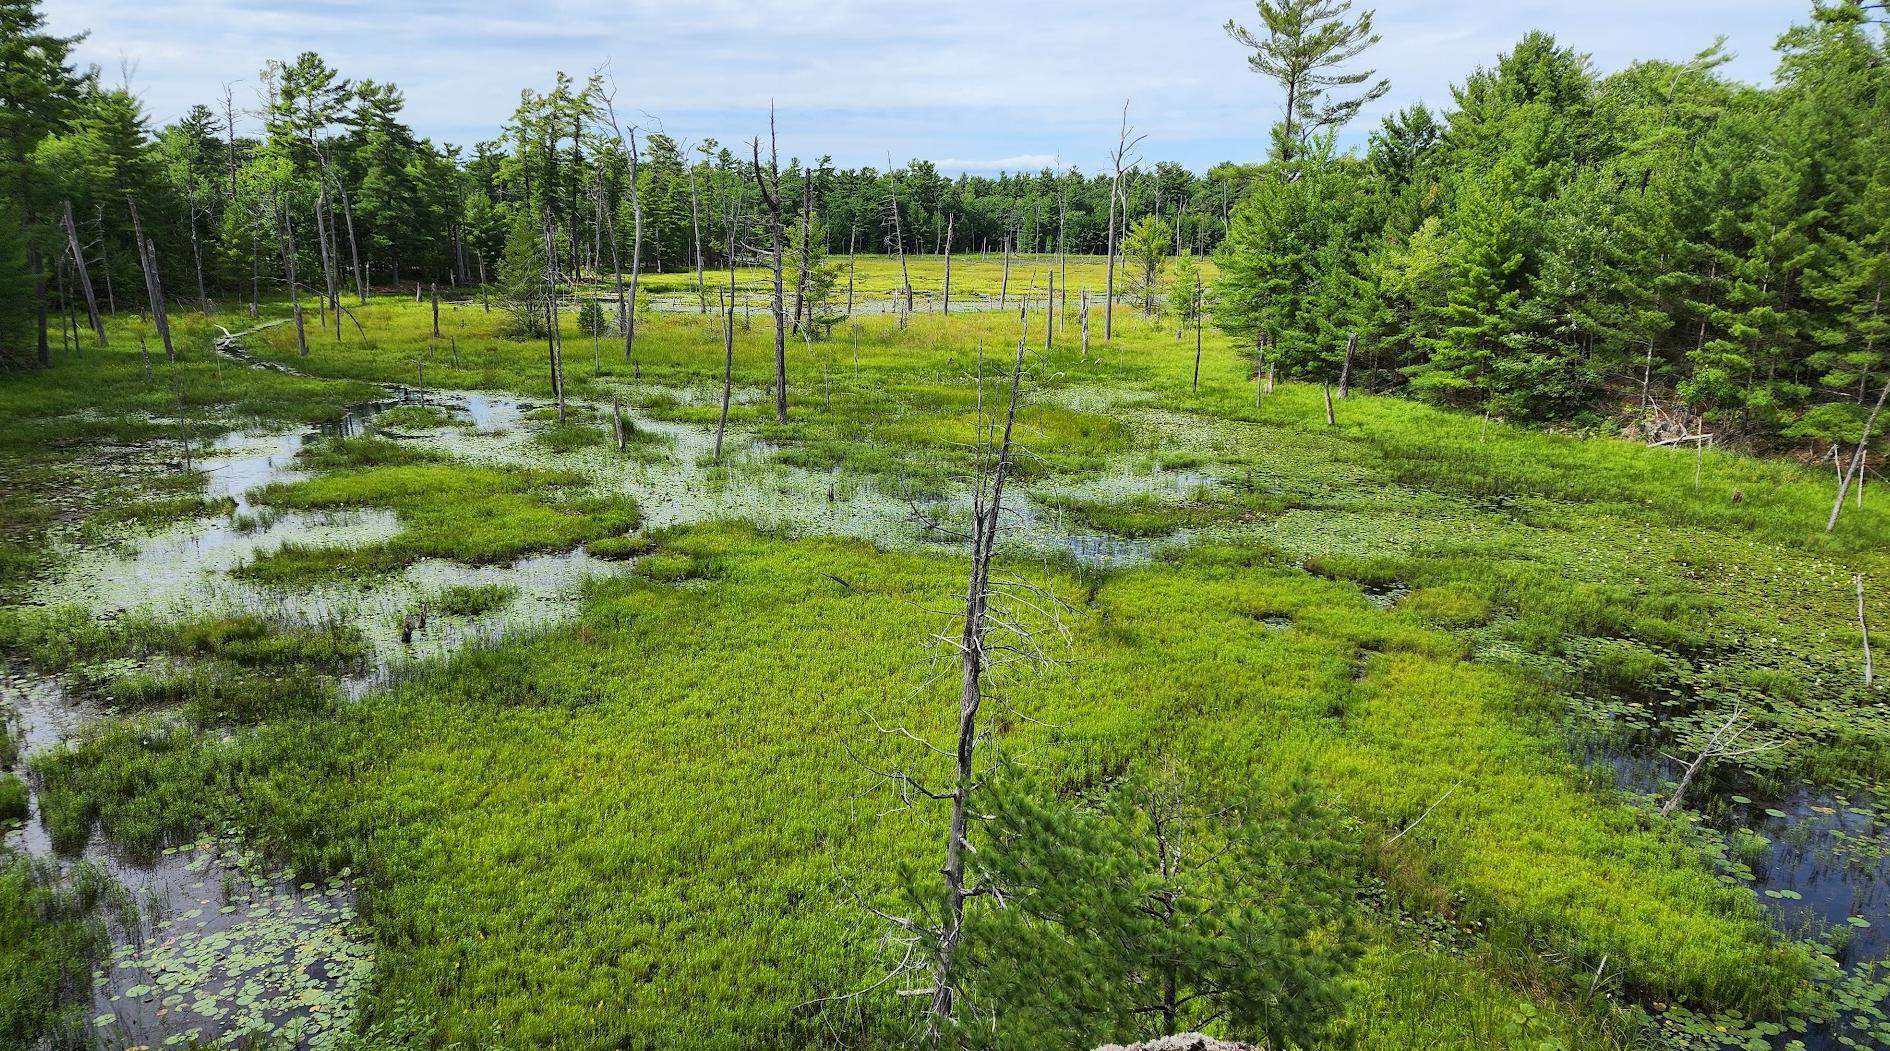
982,86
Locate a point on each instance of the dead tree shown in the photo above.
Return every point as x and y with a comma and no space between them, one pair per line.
1863,628
1197,333
728,329
770,186
1050,313
287,241
950,225
1126,142
1083,306
552,348
695,223
1345,370
636,253
1857,458
853,241
807,249
626,313
354,249
974,662
85,277
433,290
899,237
1063,258
153,285
196,250
1722,743
1004,285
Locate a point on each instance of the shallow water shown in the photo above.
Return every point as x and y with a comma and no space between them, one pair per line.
209,946
1823,864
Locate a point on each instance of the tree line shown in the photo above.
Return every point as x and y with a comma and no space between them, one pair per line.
306,181
1706,256
1555,244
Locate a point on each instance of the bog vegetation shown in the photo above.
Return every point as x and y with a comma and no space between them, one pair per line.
593,590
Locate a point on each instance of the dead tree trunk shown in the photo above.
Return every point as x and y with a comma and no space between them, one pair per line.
899,236
196,249
807,222
973,663
1326,387
1125,144
1345,370
1083,305
1857,459
728,332
153,285
1721,744
950,225
288,265
433,289
85,277
354,249
770,186
616,267
1863,628
636,256
695,223
1004,286
1050,312
552,350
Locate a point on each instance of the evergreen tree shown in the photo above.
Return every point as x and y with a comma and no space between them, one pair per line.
1146,912
38,92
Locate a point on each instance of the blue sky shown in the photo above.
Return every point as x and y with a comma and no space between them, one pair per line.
976,86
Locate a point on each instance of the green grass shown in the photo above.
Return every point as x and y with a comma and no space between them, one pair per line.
473,600
13,800
642,827
49,940
475,515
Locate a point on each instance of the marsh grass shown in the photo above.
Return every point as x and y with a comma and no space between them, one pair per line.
50,937
1400,609
474,515
474,600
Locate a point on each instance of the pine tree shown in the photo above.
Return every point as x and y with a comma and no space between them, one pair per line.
1146,912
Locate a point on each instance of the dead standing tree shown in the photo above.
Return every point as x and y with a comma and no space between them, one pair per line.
898,237
807,250
1855,472
554,350
85,277
993,628
728,327
626,312
153,287
1126,142
770,186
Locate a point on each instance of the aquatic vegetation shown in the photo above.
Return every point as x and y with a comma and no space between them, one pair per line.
13,800
413,418
474,600
49,938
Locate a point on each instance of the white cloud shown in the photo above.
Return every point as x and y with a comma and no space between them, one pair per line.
858,79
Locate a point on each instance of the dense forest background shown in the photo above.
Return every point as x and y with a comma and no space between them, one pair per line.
1660,244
